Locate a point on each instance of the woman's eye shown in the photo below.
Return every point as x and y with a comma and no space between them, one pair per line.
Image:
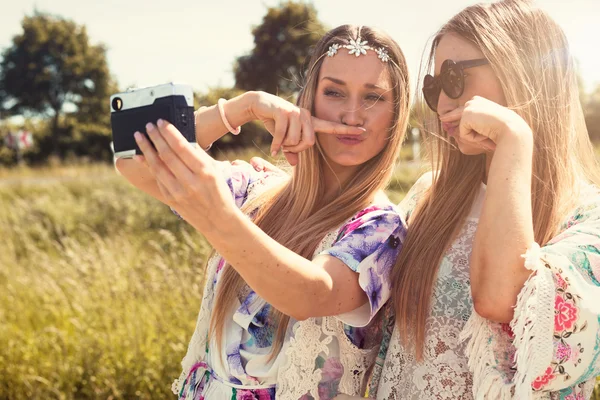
332,93
374,97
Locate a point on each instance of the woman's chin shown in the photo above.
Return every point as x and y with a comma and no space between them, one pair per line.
347,160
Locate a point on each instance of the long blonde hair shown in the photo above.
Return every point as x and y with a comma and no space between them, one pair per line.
296,215
530,55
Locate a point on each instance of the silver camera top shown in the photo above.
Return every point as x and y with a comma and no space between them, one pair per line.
139,97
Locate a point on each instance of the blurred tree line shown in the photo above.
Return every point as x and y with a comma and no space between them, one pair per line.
59,83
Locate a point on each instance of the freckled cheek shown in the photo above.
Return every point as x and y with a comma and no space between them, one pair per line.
325,111
382,122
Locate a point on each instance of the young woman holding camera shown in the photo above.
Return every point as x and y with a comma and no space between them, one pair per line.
292,306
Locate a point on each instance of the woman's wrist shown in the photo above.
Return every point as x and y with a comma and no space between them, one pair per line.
516,133
238,110
221,224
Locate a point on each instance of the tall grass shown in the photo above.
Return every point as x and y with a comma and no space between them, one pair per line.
99,290
100,285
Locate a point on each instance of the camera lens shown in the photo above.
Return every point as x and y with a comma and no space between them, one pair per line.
117,104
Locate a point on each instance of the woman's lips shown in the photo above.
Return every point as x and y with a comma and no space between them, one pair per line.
350,139
450,128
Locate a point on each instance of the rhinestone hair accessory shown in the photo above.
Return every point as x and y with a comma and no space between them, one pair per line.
359,47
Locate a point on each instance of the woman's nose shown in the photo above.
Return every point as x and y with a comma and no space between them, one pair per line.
353,113
446,104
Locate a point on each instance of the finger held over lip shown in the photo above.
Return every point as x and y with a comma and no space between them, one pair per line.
452,115
323,126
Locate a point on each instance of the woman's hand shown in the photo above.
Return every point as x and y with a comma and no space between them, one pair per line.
486,124
293,128
188,178
260,165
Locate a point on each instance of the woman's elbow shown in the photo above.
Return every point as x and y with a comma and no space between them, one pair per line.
493,309
315,305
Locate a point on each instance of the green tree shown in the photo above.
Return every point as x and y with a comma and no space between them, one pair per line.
51,70
282,44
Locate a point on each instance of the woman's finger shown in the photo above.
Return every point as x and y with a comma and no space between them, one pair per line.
308,138
292,158
293,136
334,128
452,116
168,156
488,144
260,164
155,164
281,126
195,159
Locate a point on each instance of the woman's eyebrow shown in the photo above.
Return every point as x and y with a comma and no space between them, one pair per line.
341,82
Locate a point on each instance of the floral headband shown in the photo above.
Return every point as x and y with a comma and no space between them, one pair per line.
359,47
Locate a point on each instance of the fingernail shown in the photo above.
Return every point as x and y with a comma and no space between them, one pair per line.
274,153
161,123
137,159
137,136
149,127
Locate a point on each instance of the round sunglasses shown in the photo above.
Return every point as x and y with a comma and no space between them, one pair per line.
451,80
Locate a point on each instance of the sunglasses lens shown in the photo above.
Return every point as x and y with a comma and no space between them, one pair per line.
453,81
431,91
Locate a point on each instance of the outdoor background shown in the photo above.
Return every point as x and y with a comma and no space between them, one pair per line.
100,285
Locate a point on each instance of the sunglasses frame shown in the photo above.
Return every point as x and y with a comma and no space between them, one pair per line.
436,82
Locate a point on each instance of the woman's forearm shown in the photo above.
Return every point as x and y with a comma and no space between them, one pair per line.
505,231
294,285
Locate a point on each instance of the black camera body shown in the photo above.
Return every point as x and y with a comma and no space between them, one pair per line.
132,110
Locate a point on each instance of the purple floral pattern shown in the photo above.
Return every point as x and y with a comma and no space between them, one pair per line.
369,244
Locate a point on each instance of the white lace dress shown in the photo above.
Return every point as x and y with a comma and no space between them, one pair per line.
554,352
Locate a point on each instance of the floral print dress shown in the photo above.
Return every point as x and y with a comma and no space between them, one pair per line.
320,357
551,349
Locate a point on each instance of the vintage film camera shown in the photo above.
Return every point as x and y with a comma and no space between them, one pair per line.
132,110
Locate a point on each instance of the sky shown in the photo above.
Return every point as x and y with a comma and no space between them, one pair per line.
197,42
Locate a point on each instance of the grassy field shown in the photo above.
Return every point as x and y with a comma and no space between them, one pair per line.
99,285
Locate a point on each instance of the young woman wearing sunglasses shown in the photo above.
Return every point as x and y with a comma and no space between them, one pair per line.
496,290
